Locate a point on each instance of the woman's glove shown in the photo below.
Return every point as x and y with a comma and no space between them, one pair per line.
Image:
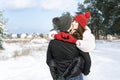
65,37
70,39
61,36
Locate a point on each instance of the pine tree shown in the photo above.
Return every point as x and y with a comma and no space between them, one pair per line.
3,21
105,16
1,31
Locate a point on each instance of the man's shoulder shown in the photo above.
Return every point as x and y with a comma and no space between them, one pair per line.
62,43
55,41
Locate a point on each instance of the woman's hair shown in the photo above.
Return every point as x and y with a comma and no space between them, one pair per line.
78,34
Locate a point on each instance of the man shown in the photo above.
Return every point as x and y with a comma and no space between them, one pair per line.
64,59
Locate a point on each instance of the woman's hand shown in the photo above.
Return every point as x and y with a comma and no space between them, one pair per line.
70,39
61,36
66,37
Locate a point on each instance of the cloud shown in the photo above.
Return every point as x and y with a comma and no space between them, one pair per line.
58,4
42,4
17,4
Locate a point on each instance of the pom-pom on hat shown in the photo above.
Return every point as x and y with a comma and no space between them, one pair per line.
82,19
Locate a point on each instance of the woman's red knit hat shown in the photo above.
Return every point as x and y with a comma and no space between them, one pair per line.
82,19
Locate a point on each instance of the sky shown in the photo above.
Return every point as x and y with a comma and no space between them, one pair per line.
35,16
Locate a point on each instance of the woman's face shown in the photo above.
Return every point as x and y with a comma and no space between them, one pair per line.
74,26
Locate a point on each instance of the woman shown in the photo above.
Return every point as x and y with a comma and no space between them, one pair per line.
85,40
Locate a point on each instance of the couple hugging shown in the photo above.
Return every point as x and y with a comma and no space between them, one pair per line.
68,51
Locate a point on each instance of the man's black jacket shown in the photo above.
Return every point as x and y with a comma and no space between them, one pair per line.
64,60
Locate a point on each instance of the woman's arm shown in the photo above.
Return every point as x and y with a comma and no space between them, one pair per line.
51,34
88,42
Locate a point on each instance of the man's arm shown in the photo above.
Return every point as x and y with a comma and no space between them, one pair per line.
50,62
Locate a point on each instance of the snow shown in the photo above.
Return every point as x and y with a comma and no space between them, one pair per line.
105,61
32,66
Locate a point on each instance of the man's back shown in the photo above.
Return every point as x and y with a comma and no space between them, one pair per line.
63,51
64,54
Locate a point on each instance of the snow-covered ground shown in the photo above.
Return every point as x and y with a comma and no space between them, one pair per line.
105,61
27,61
